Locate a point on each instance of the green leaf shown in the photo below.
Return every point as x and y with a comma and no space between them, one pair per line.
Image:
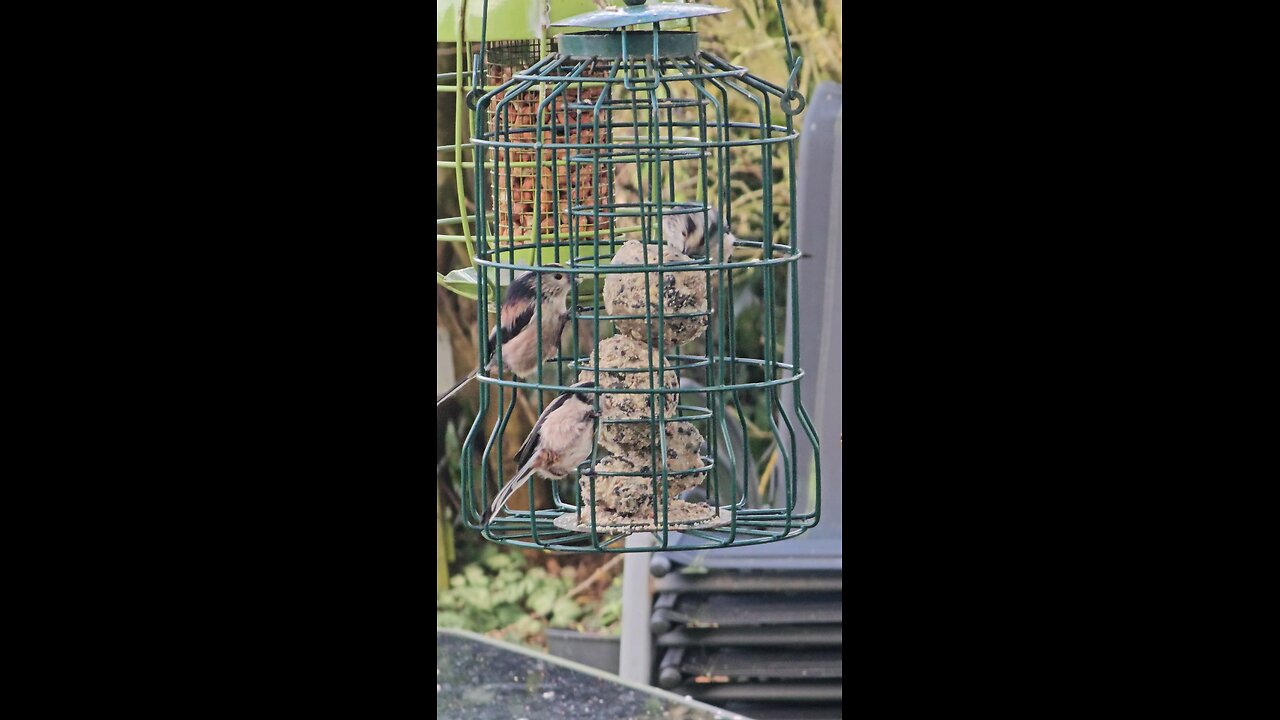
523,628
611,603
508,594
450,620
464,281
507,614
477,598
461,281
476,576
498,562
610,613
542,600
565,612
482,621
527,585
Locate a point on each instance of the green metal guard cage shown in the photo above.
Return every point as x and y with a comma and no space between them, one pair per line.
548,145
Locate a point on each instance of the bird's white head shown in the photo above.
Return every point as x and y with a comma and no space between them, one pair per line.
556,284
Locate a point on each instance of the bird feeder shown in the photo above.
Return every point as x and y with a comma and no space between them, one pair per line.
652,328
516,34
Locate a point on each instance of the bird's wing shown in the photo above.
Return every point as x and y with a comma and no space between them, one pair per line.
517,309
513,321
674,231
713,224
518,321
531,443
526,450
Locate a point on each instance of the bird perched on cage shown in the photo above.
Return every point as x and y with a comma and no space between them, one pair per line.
517,319
560,441
685,234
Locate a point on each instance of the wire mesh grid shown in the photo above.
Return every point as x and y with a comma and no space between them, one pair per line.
550,141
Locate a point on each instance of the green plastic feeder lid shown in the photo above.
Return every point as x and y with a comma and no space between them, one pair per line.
671,44
617,17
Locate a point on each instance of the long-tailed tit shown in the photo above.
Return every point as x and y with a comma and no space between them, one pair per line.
519,329
684,234
625,188
560,441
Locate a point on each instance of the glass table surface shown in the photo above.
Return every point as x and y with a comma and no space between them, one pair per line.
478,678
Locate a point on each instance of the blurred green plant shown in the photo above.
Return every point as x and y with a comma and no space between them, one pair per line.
499,593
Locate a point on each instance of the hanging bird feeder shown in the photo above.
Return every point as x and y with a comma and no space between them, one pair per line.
652,328
516,31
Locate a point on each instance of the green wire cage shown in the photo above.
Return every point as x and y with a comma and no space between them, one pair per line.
628,96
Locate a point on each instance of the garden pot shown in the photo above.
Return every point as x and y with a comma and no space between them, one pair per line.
597,651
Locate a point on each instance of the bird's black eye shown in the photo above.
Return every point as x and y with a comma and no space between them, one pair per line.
559,276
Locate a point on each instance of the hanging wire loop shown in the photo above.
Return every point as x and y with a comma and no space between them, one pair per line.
477,87
793,101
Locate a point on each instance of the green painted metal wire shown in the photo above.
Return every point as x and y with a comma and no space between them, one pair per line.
632,88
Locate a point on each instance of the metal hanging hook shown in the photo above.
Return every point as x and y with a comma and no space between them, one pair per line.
793,101
477,88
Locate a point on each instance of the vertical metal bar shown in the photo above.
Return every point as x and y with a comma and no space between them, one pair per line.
635,658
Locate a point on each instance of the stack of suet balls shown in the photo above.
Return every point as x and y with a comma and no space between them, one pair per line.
659,311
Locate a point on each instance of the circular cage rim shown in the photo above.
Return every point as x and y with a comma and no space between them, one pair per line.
796,375
721,518
574,268
572,541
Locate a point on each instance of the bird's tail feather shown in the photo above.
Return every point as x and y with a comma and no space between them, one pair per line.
506,492
454,390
